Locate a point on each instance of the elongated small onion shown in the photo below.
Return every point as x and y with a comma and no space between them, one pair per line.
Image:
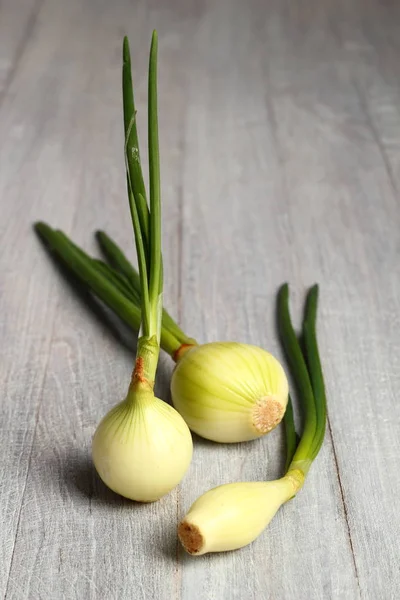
231,516
142,448
229,392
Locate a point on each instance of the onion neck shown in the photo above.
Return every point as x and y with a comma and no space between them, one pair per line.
299,466
297,477
183,348
144,371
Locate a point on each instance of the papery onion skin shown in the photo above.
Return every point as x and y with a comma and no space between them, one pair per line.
142,448
229,392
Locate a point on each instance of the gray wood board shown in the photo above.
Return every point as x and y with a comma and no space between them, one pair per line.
279,127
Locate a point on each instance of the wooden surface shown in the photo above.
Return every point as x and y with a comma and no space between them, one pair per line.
280,140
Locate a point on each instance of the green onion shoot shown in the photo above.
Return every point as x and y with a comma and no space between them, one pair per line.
233,515
142,447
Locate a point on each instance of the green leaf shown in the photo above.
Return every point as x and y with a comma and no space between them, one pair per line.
100,279
118,260
86,269
314,366
299,373
135,185
155,284
290,434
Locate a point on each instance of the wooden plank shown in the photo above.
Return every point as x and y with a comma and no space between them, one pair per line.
350,226
38,163
240,244
370,49
17,21
274,131
76,539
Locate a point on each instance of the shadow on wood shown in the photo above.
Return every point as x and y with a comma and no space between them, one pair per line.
81,479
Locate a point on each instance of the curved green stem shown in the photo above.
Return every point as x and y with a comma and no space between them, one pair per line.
314,366
290,434
300,375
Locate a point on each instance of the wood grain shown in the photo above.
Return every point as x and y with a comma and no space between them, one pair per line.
237,143
280,135
18,20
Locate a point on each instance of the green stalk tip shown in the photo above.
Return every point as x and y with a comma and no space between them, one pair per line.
126,55
41,228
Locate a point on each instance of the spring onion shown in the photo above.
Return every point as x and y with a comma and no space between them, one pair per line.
142,447
233,515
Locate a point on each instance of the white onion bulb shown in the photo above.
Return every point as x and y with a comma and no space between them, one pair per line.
229,392
142,448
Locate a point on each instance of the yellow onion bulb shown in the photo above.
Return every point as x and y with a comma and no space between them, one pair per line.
229,392
142,448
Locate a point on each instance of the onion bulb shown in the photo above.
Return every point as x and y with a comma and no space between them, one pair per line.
231,516
142,448
229,392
